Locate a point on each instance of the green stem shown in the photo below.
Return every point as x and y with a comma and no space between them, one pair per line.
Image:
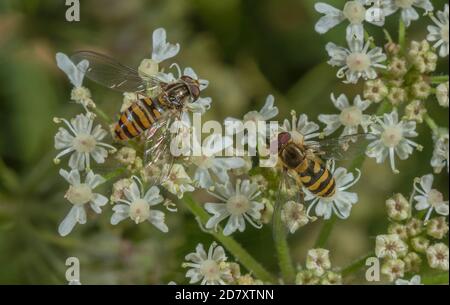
439,79
356,265
431,123
102,115
402,34
281,245
325,233
230,244
435,279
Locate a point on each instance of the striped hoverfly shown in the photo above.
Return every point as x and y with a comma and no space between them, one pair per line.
158,104
305,165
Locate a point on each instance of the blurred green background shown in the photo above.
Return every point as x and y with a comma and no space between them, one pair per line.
246,49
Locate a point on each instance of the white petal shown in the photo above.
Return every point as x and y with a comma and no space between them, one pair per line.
69,222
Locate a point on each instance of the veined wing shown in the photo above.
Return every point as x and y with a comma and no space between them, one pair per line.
342,148
288,190
108,72
158,158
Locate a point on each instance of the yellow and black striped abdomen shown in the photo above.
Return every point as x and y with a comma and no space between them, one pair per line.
139,117
316,178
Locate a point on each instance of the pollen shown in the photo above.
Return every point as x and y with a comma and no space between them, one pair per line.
139,211
358,62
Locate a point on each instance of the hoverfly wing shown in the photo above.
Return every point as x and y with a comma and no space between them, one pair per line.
342,148
158,158
108,72
288,190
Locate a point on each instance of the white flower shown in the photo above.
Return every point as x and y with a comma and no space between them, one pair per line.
209,268
80,194
138,206
293,214
209,162
440,151
437,256
82,141
392,139
439,32
390,246
341,202
408,12
163,50
351,116
442,94
357,61
267,112
178,182
318,261
354,12
238,204
300,129
429,198
75,73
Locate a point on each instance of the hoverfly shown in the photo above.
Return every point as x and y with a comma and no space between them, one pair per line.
304,164
148,115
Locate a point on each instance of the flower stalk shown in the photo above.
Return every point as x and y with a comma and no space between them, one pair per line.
282,247
229,243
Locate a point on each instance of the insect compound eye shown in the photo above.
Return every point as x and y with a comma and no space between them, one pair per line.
195,91
283,138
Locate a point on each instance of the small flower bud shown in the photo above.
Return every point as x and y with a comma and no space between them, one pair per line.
413,262
398,208
415,111
399,229
393,269
415,227
396,96
375,90
420,89
437,227
397,67
420,244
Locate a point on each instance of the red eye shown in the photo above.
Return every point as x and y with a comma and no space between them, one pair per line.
283,138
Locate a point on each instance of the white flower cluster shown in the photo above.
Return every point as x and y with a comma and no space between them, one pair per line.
84,141
411,240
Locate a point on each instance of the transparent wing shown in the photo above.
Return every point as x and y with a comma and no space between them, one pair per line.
107,72
157,156
342,148
288,190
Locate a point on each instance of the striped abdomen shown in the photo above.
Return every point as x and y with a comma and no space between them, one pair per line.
138,117
316,178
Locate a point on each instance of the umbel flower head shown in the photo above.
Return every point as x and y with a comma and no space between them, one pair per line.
208,268
79,194
82,141
392,139
341,202
357,61
139,206
239,205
